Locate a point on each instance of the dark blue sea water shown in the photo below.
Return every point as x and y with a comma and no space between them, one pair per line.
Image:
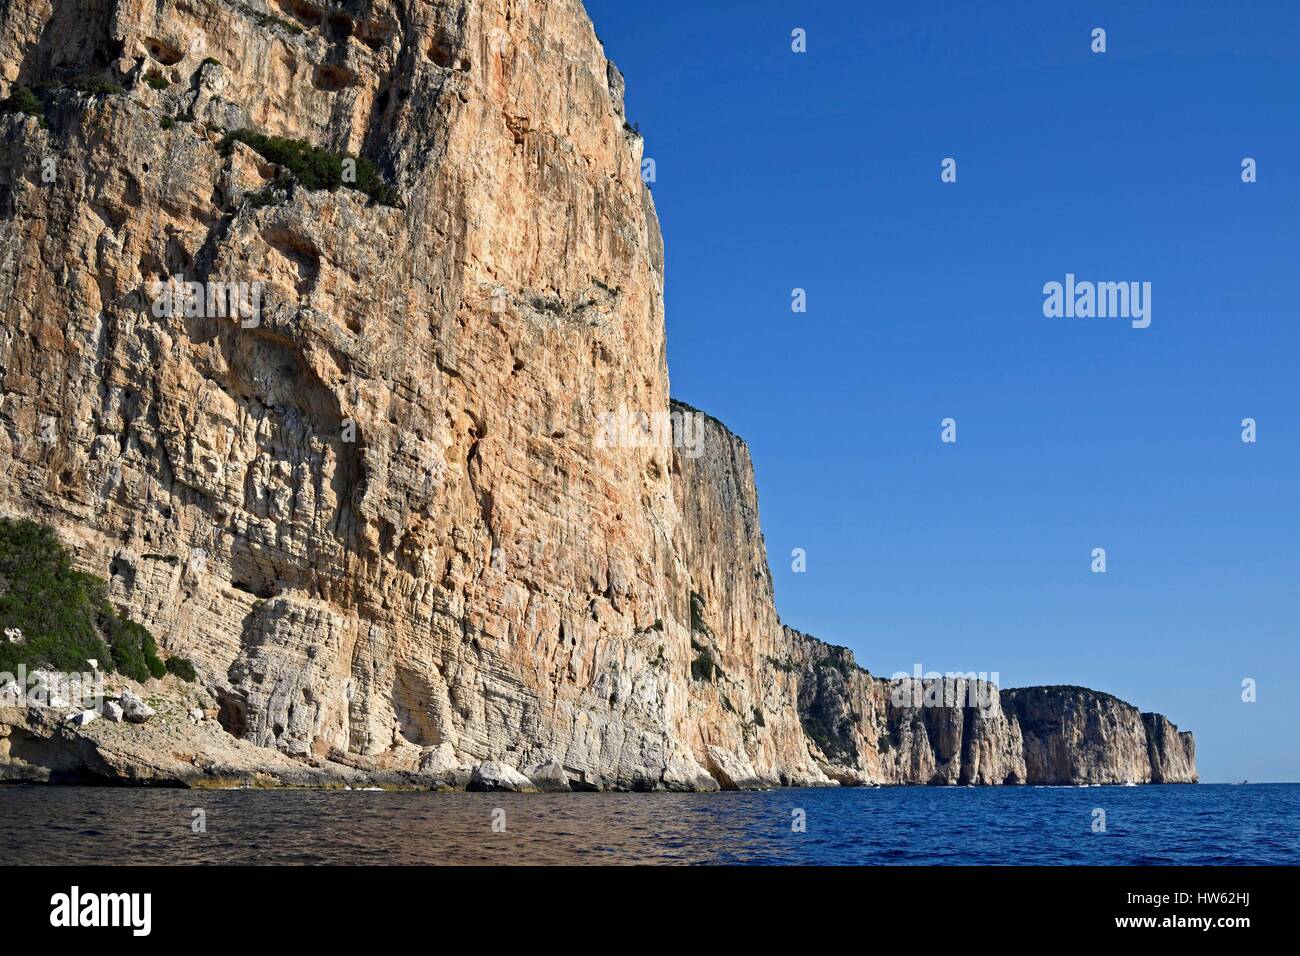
1205,824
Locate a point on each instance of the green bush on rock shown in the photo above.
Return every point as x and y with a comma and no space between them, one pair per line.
63,614
22,100
314,167
182,668
134,652
55,606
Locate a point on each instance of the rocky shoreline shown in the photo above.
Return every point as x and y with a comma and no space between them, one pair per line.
175,740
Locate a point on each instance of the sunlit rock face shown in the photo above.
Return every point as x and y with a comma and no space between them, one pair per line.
1075,735
382,514
963,731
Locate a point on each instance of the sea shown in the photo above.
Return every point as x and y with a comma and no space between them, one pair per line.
1204,824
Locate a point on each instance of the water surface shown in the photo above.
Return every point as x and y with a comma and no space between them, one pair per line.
1204,824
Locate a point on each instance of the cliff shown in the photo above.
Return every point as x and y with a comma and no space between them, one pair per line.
378,510
960,730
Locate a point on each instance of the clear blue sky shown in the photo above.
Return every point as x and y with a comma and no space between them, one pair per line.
777,170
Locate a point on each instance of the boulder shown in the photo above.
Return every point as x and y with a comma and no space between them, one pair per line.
492,776
439,760
113,711
47,689
549,777
134,709
83,718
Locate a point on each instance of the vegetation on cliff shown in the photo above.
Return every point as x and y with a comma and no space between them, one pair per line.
705,665
22,100
315,167
55,616
31,101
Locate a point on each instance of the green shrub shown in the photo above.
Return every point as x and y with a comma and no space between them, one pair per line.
817,732
312,166
269,20
93,85
157,82
831,741
371,182
272,195
182,667
63,613
166,122
23,100
53,604
785,665
134,650
836,663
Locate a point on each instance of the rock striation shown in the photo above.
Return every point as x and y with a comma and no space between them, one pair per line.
379,513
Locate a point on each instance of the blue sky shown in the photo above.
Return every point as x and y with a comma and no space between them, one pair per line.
821,171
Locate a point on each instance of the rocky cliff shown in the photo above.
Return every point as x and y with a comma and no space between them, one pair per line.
383,509
962,730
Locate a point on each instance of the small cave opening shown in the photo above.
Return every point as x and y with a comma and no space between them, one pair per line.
232,714
118,568
374,34
339,26
440,53
331,78
306,13
265,591
164,52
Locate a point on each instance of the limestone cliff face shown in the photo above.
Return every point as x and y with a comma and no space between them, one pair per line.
743,686
379,519
1172,751
945,731
1076,735
963,731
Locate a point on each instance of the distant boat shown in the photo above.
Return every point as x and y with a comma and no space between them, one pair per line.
1240,782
